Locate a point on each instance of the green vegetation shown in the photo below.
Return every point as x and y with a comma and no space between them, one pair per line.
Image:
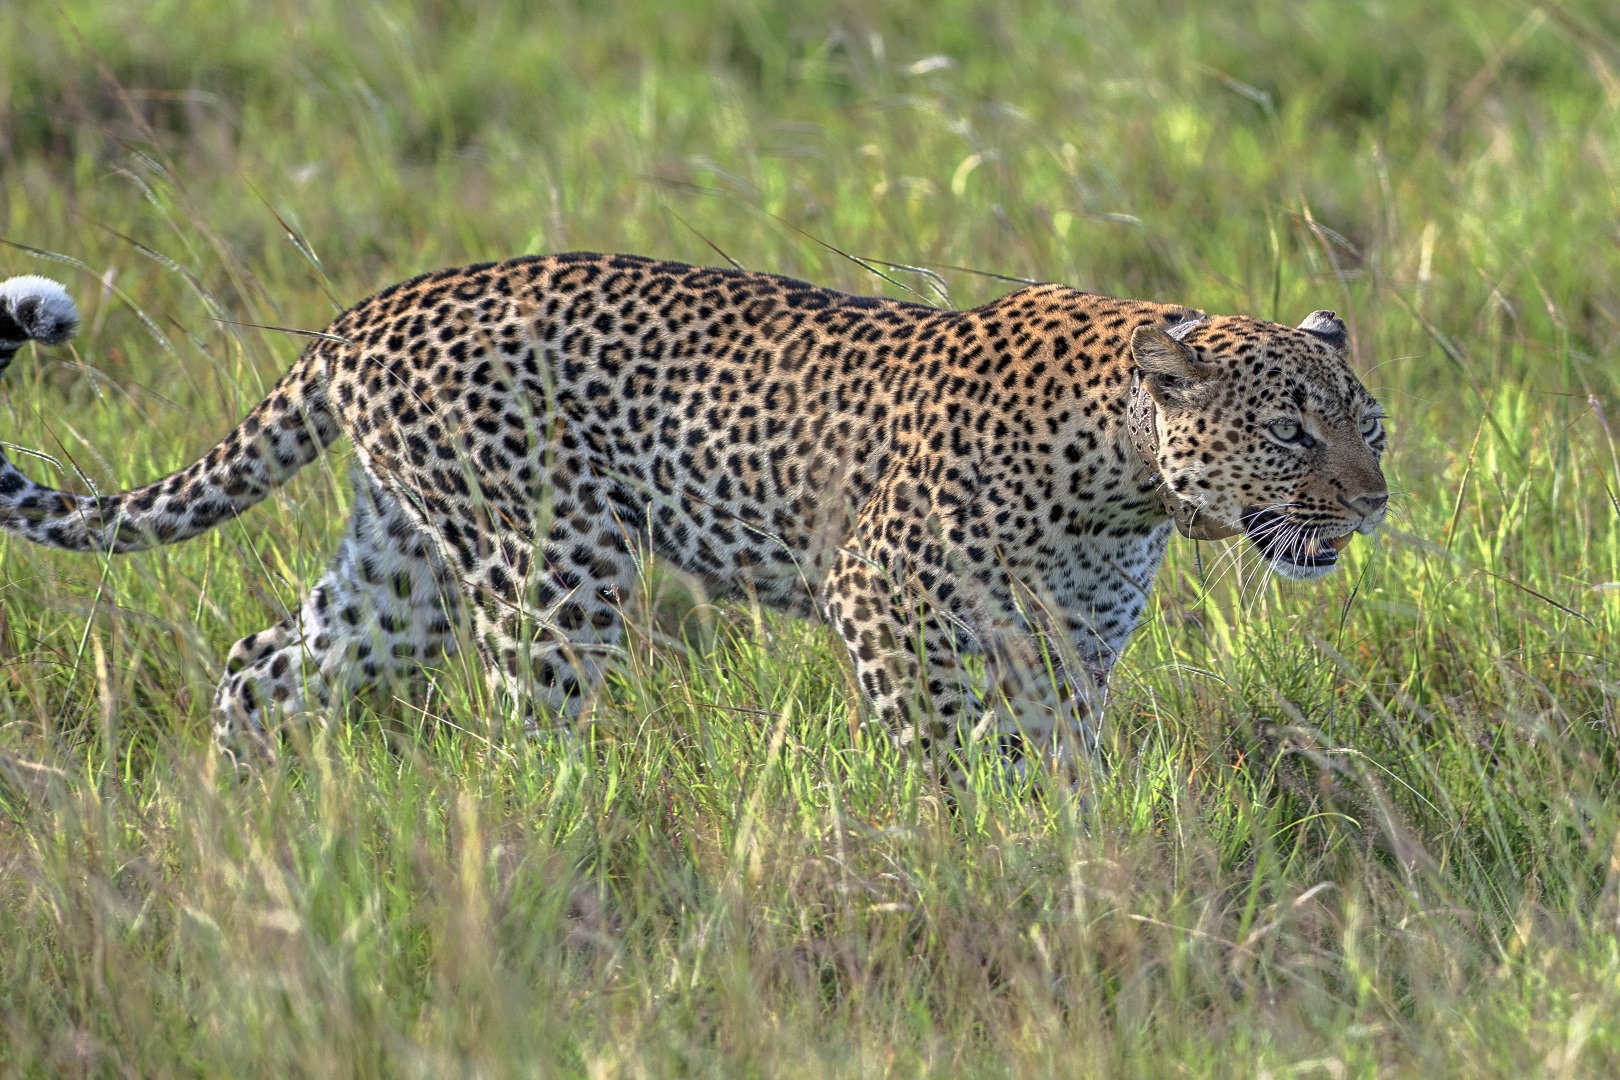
1364,828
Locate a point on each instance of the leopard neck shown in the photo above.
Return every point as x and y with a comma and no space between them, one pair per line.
1142,420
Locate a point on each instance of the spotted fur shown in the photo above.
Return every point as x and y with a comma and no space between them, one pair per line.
931,483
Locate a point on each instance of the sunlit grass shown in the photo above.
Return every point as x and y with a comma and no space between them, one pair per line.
1365,827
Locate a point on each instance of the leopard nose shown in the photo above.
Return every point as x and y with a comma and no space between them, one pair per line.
1368,505
1365,505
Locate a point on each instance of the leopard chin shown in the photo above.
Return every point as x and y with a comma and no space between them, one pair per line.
1294,571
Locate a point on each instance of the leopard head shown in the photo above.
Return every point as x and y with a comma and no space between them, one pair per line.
1266,430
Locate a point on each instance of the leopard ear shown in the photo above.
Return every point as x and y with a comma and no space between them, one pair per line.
1328,326
1169,368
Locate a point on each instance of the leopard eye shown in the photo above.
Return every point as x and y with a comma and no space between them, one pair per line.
1290,431
1370,425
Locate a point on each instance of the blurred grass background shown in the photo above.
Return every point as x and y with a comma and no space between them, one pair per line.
1369,827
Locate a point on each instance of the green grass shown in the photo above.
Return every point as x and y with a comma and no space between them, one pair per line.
1369,827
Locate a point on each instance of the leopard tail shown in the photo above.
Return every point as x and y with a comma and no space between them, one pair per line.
282,434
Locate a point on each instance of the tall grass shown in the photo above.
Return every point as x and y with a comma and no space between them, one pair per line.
1364,827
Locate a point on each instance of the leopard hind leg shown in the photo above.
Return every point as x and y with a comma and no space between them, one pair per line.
384,607
548,618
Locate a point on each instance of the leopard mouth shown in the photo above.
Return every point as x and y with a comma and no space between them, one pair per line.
1288,544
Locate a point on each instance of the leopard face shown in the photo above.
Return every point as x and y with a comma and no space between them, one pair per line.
1266,428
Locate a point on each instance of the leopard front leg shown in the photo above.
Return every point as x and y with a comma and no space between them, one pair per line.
1038,705
384,607
1047,702
906,655
909,604
1051,665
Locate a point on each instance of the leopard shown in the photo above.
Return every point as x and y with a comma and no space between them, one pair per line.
976,502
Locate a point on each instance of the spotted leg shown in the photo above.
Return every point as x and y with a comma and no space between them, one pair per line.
548,640
907,610
892,638
1053,678
1047,704
888,595
384,607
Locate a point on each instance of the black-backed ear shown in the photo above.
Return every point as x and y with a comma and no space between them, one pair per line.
1169,368
1329,327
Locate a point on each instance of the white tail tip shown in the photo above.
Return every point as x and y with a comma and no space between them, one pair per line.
36,309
